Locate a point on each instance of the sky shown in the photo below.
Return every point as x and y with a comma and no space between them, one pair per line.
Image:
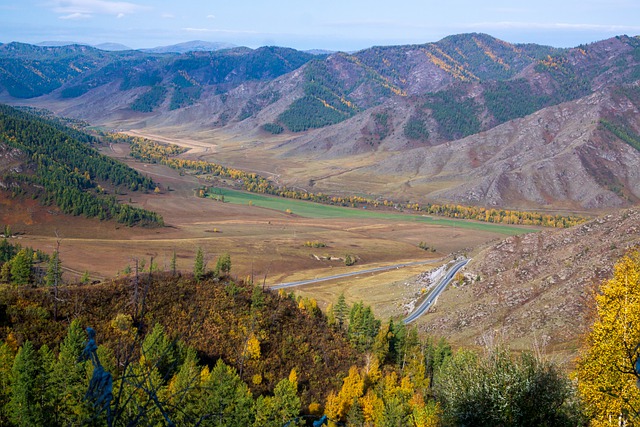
346,25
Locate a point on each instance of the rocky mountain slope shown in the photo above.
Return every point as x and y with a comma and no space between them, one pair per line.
469,119
536,288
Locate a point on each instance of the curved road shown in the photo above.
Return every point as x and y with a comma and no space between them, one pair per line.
353,273
433,295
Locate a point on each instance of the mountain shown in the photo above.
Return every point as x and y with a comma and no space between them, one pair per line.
191,46
469,119
112,46
536,288
56,43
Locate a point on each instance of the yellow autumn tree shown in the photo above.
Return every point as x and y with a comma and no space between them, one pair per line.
252,349
606,381
338,405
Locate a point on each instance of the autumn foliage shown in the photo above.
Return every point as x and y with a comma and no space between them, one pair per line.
606,378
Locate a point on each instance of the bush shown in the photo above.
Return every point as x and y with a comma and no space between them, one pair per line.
502,390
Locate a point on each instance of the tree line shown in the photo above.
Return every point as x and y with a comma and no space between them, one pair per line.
150,151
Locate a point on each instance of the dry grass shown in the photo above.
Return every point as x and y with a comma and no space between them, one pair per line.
263,243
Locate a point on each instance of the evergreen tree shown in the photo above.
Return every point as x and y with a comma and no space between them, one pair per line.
223,265
224,399
69,379
341,310
54,271
6,363
363,326
5,272
173,263
21,266
198,266
355,417
85,277
183,394
160,352
282,407
45,389
24,404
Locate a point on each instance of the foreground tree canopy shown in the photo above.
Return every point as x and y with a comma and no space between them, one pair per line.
607,381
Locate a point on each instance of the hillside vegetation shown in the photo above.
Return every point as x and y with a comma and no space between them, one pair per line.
59,167
182,351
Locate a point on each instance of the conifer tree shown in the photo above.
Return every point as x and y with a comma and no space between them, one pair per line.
21,268
6,362
198,266
224,398
341,310
173,263
44,385
223,265
54,271
69,379
24,408
281,408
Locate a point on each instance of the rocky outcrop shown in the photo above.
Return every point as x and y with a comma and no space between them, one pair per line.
536,287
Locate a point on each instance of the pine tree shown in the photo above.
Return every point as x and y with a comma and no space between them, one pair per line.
21,268
185,392
6,363
24,409
198,266
85,277
173,263
223,265
341,310
44,385
5,272
69,379
281,408
54,271
224,398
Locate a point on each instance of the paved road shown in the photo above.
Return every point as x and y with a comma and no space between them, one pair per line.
353,273
433,295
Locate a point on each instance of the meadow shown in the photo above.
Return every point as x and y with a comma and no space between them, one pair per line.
321,211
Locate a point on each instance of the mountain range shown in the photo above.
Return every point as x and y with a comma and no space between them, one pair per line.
469,119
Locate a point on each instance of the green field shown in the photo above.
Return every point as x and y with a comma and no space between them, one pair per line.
317,210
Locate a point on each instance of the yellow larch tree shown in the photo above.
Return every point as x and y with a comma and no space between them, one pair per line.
606,379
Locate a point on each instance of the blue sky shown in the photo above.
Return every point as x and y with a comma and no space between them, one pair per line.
325,24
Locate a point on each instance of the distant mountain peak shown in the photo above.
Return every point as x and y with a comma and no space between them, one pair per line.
112,46
191,46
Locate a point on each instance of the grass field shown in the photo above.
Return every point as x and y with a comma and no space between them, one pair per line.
317,210
264,242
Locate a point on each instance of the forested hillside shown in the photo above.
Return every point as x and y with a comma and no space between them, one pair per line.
184,351
58,166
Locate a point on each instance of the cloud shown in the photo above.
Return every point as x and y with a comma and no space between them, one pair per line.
77,9
211,16
213,30
74,16
168,16
509,25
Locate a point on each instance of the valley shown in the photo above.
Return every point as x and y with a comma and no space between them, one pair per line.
166,198
469,120
264,243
